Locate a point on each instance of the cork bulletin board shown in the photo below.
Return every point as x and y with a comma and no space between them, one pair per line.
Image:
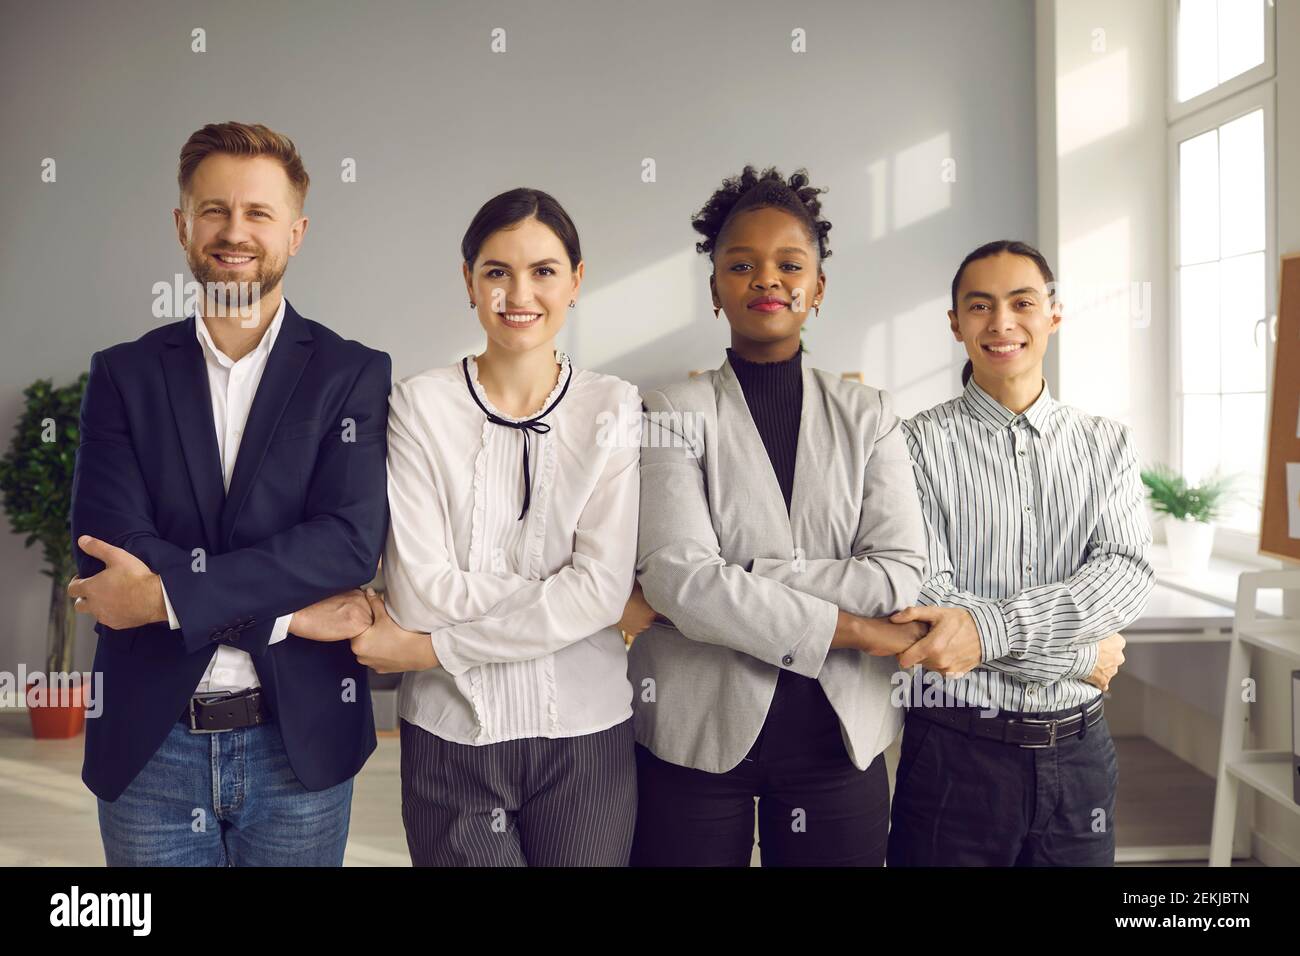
1279,533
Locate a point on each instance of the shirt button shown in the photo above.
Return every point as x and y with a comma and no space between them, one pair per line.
1028,508
1029,567
1021,453
787,660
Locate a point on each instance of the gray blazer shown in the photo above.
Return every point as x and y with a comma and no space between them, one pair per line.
751,589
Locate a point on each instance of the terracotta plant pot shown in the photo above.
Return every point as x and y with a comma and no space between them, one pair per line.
57,712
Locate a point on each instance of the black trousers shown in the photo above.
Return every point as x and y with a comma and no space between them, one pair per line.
968,801
814,807
535,801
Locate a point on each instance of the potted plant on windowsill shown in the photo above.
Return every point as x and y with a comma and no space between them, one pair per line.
36,481
1190,512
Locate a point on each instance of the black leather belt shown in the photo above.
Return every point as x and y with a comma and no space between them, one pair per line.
210,713
1019,731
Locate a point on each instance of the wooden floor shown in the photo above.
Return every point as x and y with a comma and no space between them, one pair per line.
48,817
1162,801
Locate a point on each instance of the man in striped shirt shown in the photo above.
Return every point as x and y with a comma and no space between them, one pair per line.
1037,557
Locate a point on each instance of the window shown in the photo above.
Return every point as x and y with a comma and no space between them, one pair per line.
1217,48
1217,41
1222,199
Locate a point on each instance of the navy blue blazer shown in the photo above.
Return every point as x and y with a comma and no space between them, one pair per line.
305,517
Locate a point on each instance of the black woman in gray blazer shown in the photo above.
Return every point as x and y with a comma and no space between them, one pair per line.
779,526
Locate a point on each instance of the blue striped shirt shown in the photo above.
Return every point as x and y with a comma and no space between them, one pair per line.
1036,526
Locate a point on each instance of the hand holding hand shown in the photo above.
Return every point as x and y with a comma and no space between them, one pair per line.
952,646
637,614
389,649
340,617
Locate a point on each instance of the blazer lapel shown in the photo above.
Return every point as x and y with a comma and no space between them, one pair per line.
186,375
284,367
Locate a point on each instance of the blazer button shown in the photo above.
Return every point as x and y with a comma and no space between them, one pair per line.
787,660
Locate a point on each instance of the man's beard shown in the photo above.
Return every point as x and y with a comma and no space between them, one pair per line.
230,292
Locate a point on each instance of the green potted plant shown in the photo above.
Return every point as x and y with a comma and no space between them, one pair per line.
1190,512
36,481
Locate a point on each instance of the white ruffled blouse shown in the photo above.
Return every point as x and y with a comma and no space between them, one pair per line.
522,613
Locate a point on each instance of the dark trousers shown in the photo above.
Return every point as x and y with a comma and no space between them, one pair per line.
535,801
814,807
968,801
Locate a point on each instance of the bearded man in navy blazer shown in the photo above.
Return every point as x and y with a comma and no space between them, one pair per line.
229,500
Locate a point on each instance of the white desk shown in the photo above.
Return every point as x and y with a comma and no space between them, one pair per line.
1175,616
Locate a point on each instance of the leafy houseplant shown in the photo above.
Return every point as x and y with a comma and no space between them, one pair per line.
1191,511
36,481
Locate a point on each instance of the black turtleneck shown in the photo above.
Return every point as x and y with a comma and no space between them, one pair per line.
774,394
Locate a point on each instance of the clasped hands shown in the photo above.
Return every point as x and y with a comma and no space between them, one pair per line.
362,618
942,639
949,642
127,594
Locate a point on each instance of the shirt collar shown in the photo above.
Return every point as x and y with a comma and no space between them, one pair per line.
983,406
265,345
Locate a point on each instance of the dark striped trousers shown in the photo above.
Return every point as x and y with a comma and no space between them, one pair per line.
535,801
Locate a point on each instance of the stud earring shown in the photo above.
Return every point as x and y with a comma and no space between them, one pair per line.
473,306
572,303
715,312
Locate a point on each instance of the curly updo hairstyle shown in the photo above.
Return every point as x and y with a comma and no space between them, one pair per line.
755,190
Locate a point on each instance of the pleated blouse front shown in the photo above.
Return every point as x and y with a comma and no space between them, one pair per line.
522,612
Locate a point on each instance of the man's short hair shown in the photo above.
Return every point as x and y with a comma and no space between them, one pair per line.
243,139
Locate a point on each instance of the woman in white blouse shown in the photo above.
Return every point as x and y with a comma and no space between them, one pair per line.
513,487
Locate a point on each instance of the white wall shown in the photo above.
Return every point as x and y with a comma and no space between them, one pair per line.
886,92
1110,212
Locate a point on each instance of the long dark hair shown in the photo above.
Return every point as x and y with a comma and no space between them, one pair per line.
513,207
1016,248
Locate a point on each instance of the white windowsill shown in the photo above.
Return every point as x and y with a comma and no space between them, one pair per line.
1218,583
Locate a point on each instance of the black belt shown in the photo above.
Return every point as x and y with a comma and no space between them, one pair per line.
1020,731
210,713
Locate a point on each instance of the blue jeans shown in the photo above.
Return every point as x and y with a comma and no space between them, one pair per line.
224,799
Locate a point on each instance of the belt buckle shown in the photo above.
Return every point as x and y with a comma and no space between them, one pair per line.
208,699
1051,732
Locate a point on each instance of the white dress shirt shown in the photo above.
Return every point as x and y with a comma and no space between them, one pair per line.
233,385
522,613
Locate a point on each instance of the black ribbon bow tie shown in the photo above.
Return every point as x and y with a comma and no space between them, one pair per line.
534,424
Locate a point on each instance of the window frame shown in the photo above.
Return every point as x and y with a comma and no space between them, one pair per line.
1229,542
1175,110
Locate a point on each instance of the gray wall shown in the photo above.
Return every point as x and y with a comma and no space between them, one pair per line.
437,124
